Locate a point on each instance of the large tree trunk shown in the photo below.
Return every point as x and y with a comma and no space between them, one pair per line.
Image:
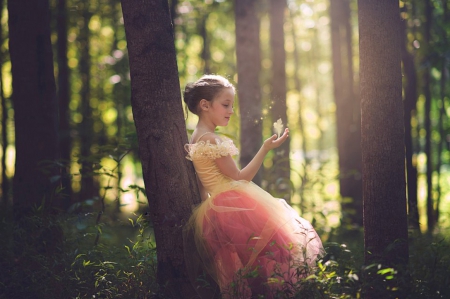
409,103
64,99
248,68
281,175
34,100
383,151
156,100
347,114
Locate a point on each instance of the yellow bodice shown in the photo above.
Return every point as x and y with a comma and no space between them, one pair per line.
203,154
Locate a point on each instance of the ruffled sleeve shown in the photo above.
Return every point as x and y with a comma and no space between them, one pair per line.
206,150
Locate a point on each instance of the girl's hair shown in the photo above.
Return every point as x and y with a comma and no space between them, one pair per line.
207,87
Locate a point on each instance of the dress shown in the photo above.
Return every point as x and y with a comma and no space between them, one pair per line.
246,240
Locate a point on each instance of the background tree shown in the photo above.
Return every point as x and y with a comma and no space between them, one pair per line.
281,174
409,106
4,178
431,221
348,116
248,69
383,153
169,179
64,100
34,101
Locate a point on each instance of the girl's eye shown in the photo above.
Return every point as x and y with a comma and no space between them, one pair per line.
226,106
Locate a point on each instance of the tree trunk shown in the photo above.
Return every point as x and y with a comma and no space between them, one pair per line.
169,178
428,129
347,114
34,100
88,186
383,151
281,163
248,69
298,85
409,103
442,113
4,178
64,99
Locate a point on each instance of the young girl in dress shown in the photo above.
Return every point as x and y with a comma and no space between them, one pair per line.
245,239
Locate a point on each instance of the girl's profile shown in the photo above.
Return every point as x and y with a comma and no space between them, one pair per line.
240,235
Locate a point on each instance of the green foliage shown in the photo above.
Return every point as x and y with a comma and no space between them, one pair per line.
45,256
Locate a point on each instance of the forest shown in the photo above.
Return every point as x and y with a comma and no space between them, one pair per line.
95,184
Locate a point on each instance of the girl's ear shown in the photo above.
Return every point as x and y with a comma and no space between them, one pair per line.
204,104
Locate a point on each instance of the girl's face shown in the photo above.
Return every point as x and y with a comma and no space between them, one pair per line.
221,107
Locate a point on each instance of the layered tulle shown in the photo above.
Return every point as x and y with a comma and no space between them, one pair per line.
243,237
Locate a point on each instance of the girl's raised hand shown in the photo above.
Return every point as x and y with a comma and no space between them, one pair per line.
274,142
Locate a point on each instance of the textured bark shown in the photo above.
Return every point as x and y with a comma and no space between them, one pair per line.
34,101
156,100
248,69
348,116
64,99
383,151
278,84
409,103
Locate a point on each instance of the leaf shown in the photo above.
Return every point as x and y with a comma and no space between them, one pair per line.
278,126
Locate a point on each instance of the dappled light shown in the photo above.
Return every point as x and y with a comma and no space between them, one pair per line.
83,183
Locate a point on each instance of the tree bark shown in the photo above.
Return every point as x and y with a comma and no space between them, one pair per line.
156,101
409,103
348,116
34,101
249,89
383,151
281,163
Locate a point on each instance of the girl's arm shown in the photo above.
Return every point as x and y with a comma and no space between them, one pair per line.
229,168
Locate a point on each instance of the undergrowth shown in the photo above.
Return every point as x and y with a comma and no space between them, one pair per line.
55,257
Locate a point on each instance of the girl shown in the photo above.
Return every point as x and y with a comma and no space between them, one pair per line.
249,242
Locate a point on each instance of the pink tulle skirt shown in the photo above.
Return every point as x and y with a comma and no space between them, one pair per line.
248,242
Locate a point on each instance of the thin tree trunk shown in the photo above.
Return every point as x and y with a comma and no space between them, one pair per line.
248,55
88,188
347,114
383,151
4,178
64,99
297,82
169,178
409,103
281,161
442,114
34,100
427,92
206,56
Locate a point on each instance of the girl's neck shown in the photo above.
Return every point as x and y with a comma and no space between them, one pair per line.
204,127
